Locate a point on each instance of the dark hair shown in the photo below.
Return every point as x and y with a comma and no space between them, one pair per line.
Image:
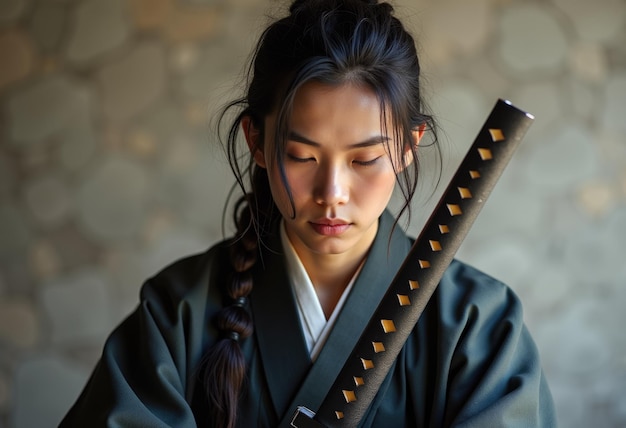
332,42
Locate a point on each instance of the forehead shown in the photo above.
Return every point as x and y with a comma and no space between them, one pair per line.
341,112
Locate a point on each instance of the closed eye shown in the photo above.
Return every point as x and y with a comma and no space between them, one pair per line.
299,159
368,162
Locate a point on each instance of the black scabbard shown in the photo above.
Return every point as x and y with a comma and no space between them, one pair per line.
400,308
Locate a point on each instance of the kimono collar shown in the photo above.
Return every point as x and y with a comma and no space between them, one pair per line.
291,376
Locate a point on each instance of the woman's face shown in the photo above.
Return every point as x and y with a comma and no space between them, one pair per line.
338,167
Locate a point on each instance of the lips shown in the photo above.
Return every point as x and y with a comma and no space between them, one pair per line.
330,227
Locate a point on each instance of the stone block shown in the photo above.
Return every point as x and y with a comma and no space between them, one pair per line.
45,388
78,307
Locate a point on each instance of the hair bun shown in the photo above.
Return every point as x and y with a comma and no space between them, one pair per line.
298,4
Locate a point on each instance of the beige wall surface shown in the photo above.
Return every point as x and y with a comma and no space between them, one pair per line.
109,170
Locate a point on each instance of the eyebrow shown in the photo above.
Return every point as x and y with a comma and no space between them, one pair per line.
294,136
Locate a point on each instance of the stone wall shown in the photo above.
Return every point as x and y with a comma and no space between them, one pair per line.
109,170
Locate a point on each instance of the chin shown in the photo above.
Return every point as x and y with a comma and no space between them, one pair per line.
330,248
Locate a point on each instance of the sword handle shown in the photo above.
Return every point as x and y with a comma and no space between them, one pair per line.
400,308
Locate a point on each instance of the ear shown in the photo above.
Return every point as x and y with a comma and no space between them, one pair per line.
253,138
416,136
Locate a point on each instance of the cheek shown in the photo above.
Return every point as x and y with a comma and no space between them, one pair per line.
381,189
378,186
301,186
279,192
297,185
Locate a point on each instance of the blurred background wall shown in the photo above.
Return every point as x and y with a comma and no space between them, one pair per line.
109,170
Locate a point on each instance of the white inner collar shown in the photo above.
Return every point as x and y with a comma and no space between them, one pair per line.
314,324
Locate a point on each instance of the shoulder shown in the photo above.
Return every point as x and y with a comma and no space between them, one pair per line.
190,268
465,288
191,279
465,291
469,304
470,279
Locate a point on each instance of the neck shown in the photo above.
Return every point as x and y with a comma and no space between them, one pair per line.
330,275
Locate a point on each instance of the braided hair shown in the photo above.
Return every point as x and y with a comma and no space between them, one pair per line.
332,42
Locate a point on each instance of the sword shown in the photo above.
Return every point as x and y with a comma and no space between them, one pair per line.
420,273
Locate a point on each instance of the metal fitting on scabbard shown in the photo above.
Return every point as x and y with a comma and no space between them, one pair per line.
303,418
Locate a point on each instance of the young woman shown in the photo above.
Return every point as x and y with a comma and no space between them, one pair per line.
332,117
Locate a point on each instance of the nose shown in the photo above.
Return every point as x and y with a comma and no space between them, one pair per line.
331,186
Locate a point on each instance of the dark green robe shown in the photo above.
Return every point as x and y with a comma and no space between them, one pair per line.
469,361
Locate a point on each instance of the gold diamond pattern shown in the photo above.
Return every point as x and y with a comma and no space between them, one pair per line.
444,229
454,209
339,415
350,396
465,193
485,154
367,364
404,300
413,285
378,347
424,264
358,381
388,326
474,174
435,245
496,135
